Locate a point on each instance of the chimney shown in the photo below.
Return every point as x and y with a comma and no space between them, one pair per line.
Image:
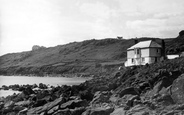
163,49
136,41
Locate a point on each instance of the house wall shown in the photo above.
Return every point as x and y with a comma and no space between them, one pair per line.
154,53
149,55
138,61
130,54
145,52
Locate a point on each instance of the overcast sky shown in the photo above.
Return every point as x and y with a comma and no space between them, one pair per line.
24,23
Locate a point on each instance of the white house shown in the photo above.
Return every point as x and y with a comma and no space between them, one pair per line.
144,52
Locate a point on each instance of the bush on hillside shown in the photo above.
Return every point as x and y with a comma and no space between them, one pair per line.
181,33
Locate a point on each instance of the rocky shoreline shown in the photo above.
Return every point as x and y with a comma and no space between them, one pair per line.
157,89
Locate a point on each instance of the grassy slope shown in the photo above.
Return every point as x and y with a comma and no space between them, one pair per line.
86,53
86,56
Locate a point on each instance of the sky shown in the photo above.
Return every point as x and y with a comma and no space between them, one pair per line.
24,23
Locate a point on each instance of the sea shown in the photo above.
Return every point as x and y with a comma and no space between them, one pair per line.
24,80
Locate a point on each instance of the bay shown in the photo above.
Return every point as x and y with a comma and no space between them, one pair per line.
23,80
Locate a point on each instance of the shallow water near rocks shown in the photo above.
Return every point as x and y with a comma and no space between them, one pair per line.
23,80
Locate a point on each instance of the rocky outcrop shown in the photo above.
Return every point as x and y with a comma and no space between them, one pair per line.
37,47
177,90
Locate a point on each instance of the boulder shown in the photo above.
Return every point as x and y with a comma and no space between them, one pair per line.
18,108
28,91
1,105
74,103
177,90
101,97
129,90
54,109
46,107
23,103
23,112
99,111
76,111
140,110
11,113
126,100
39,102
62,112
7,110
9,104
42,86
119,111
86,94
4,87
165,100
131,98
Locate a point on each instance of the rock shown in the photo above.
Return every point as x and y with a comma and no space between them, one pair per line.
140,110
23,112
101,97
42,86
28,91
74,103
131,99
34,86
180,107
165,100
129,90
9,104
40,102
23,103
62,112
54,109
77,111
6,110
162,85
1,105
18,108
86,94
11,113
173,112
46,107
127,100
119,111
114,98
177,90
99,111
37,47
4,87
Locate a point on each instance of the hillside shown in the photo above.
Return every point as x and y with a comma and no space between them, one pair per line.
70,58
90,56
176,45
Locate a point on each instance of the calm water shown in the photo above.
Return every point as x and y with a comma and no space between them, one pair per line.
23,80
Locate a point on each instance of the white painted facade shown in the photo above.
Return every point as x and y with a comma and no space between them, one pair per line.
143,53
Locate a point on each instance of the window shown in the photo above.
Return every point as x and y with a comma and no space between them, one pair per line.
158,51
137,51
132,60
143,59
